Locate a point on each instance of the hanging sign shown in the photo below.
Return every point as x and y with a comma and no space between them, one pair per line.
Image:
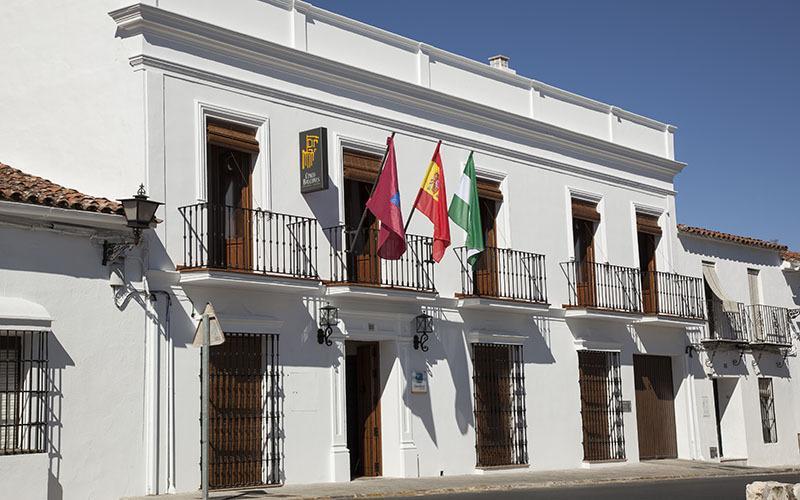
314,160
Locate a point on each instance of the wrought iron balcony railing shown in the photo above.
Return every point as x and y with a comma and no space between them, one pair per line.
249,240
726,326
673,294
504,274
603,286
354,259
768,325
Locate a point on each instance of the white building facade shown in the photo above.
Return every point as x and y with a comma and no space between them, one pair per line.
585,334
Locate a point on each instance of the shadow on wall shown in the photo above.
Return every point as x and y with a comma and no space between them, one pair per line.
768,363
58,361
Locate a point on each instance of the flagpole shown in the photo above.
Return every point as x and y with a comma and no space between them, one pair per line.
414,206
371,191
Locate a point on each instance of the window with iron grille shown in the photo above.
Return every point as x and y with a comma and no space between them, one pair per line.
245,409
601,406
23,392
768,427
500,425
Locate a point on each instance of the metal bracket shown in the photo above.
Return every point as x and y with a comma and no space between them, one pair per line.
420,341
113,251
738,361
324,336
785,353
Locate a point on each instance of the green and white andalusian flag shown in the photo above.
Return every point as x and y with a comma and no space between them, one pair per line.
465,212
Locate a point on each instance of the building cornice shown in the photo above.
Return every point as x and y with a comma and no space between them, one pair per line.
140,19
95,222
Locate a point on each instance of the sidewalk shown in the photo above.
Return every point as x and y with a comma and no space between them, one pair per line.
498,480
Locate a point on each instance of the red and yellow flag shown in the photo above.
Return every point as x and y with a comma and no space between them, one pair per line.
432,201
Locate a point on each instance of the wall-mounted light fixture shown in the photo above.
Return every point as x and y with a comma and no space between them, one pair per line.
424,323
139,214
328,318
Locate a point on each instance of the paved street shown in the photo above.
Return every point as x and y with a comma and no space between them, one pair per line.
722,488
653,480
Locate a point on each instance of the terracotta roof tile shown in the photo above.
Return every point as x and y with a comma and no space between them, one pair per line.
16,185
742,240
790,255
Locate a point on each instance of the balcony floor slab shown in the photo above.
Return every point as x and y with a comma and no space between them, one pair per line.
670,321
589,313
378,292
502,305
252,281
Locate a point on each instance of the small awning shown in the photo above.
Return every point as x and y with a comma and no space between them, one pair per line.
710,274
21,314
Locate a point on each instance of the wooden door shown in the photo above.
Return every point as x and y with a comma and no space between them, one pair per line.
236,412
363,263
369,408
583,236
647,268
593,373
493,405
655,407
230,219
486,267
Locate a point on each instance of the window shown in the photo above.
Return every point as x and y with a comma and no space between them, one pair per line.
601,406
765,395
23,391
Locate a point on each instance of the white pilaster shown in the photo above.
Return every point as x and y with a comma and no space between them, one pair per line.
340,455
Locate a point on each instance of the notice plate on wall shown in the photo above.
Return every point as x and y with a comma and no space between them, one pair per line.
419,383
626,405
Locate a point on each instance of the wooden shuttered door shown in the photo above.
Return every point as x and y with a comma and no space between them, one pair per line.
244,412
486,269
360,173
601,406
500,425
655,406
585,210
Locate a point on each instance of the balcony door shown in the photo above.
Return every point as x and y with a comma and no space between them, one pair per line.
584,223
231,152
486,270
360,174
647,232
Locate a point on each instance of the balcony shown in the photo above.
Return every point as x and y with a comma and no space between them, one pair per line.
768,326
672,297
354,261
502,274
602,287
248,241
726,327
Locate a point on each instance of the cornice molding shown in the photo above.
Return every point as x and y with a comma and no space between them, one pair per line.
193,74
141,19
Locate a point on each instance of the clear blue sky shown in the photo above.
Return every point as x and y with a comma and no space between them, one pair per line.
725,72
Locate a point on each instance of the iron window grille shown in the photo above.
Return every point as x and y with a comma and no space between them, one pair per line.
501,426
769,428
245,412
601,406
24,389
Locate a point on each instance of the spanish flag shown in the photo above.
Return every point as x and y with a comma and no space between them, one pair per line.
432,201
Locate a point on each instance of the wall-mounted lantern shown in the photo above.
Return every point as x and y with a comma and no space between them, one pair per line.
424,323
139,214
328,318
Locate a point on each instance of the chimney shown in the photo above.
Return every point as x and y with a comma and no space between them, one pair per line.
500,62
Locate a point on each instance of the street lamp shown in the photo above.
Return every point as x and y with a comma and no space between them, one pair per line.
139,214
328,318
424,328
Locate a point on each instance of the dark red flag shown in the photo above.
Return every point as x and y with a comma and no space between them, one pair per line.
385,205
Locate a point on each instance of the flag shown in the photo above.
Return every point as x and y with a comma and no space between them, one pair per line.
432,201
465,212
385,205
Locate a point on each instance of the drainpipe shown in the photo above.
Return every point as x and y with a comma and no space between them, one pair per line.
169,395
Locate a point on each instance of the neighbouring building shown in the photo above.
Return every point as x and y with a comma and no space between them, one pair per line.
592,329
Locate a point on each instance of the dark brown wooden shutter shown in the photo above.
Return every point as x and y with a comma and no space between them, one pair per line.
648,224
489,190
585,210
360,166
232,136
